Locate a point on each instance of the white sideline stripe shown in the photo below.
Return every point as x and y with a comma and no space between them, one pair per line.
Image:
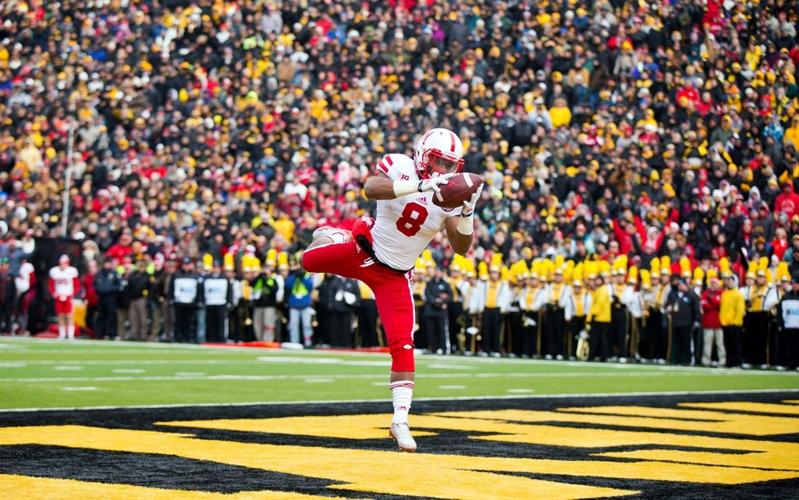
79,388
127,370
521,391
67,368
451,387
641,369
377,400
147,347
142,362
319,380
202,376
320,361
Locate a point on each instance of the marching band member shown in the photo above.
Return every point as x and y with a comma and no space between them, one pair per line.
554,315
631,298
576,304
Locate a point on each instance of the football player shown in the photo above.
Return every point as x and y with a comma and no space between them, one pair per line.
382,251
64,286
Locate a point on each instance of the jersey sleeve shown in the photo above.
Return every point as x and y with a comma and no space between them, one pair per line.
395,166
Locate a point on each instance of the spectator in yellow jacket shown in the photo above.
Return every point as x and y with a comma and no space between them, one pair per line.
731,316
560,113
599,319
792,134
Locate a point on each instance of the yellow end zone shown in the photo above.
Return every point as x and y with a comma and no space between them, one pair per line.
715,440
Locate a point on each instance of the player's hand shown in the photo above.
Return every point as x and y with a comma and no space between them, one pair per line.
468,206
434,183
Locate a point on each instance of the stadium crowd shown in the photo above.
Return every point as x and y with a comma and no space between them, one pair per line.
619,140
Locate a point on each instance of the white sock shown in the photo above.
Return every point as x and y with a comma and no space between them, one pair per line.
71,331
62,331
401,395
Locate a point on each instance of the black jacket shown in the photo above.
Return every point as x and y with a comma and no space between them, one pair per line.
347,297
138,285
684,308
434,303
107,283
265,291
7,289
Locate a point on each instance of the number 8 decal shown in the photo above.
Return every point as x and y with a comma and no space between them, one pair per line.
413,216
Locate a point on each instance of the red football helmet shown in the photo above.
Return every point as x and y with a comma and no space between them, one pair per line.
439,151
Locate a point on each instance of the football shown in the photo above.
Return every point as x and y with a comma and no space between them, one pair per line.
460,188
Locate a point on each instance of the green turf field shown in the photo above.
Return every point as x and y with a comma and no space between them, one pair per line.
60,374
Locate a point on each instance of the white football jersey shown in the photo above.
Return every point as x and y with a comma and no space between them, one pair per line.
63,280
404,226
23,281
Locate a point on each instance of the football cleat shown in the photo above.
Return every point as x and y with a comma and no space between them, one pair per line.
402,433
335,234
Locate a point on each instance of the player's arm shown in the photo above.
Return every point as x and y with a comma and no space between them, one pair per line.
459,233
383,187
460,229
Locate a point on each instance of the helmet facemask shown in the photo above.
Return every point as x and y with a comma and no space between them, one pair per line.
439,152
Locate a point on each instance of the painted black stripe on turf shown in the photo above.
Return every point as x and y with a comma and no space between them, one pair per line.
136,418
151,470
679,489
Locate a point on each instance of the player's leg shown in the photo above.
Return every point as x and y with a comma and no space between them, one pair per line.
335,250
61,318
62,326
342,258
395,306
326,235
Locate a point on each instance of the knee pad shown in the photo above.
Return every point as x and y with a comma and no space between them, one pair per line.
362,229
402,355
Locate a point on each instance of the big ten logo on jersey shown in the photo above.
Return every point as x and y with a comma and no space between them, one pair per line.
404,177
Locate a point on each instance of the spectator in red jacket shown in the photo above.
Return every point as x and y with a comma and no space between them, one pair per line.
787,201
121,249
711,304
90,294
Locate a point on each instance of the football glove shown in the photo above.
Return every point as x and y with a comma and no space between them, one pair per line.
468,206
434,183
